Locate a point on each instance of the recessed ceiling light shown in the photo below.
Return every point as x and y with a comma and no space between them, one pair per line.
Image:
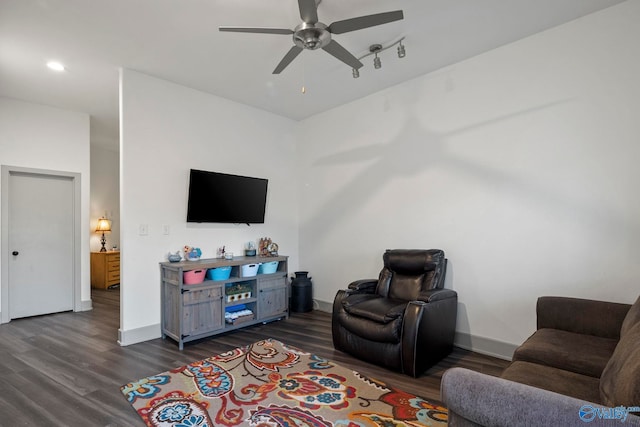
55,65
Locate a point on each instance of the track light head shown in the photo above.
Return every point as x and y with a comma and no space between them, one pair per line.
377,64
401,51
356,73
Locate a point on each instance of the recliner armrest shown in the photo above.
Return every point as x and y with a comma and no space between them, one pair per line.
364,285
436,295
583,316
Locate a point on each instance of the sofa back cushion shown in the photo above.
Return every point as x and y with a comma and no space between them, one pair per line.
620,380
632,318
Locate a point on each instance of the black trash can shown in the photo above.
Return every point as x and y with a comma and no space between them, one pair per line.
301,292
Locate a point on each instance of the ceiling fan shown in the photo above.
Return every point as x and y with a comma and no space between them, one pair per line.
312,34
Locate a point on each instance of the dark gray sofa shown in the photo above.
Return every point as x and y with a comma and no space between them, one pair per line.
582,365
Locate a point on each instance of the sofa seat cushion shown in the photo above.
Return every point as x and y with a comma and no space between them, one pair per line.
579,353
620,381
557,380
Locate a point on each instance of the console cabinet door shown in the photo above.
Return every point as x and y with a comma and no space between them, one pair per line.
272,297
202,311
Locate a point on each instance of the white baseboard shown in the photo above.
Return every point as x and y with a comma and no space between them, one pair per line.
134,336
327,307
482,345
85,305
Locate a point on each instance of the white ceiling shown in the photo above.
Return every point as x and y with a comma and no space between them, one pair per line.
179,41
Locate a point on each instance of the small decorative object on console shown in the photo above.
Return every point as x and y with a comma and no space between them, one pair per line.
268,247
250,249
221,251
174,257
273,249
192,254
263,246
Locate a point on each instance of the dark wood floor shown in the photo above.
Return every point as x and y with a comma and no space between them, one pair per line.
66,369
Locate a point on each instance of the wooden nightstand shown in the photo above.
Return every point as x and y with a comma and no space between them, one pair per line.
105,269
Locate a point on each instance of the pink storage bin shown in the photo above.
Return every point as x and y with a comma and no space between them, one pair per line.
193,277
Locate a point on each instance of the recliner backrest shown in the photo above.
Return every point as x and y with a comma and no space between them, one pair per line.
407,272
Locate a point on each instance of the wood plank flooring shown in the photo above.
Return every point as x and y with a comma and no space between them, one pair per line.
66,369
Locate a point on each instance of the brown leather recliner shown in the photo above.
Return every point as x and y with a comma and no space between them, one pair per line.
405,320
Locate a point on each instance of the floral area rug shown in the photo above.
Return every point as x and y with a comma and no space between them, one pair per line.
270,384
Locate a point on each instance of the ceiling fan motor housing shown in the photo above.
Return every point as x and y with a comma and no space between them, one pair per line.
311,36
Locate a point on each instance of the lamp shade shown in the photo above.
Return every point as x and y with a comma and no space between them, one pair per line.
103,226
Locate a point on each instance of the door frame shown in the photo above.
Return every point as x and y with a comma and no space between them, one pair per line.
5,174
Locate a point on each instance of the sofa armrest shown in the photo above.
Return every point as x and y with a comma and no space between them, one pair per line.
476,399
583,316
367,286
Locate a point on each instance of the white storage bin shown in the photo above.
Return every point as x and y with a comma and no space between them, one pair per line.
250,270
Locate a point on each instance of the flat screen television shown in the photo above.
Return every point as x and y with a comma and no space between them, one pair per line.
223,198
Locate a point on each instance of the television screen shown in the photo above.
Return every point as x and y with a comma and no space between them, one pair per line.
220,197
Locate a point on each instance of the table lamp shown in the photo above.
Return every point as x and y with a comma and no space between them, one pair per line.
104,226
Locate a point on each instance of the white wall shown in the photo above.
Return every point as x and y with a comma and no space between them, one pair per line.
105,196
167,129
41,137
520,163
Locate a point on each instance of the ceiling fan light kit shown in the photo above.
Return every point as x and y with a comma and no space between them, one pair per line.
313,35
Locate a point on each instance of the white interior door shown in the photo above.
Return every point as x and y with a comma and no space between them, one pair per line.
41,244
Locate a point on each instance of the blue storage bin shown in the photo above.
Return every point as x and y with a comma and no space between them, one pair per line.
268,267
220,273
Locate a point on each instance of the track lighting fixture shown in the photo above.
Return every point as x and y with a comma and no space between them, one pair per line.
375,49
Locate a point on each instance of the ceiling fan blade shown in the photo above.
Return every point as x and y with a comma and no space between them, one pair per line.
308,11
256,30
353,24
336,49
290,56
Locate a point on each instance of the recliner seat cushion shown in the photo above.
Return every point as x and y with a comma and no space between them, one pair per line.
374,307
372,331
373,317
579,353
557,380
